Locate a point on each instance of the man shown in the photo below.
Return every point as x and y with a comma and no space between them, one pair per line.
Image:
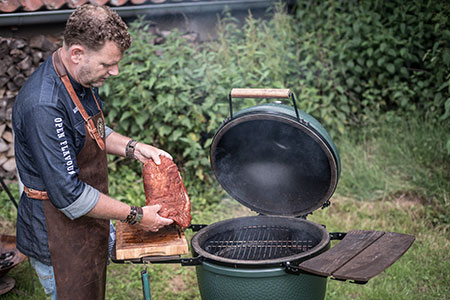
61,144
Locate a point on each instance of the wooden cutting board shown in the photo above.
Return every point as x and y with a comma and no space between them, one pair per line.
135,243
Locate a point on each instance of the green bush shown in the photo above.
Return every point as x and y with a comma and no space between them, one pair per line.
174,94
348,63
378,56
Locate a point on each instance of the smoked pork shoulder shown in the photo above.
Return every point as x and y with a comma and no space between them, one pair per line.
163,185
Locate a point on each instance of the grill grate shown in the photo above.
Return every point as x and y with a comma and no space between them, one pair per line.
260,243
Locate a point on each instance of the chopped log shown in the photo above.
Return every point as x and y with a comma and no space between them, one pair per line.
30,71
8,114
17,55
42,43
5,63
3,158
2,92
10,152
9,165
27,50
11,95
19,80
3,81
36,56
12,71
7,136
3,146
18,44
4,47
2,129
12,86
3,67
26,63
3,103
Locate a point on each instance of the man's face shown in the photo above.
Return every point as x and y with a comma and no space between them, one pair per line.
96,66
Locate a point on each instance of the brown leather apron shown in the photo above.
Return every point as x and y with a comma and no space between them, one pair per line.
79,248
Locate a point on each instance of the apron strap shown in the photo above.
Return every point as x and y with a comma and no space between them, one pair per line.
61,71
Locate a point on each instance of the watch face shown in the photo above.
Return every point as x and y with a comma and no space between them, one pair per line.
129,149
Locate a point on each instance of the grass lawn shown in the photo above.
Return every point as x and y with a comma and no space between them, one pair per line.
386,184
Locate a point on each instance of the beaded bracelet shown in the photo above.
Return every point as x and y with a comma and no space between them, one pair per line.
135,216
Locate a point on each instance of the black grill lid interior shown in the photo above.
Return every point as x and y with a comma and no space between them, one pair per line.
274,164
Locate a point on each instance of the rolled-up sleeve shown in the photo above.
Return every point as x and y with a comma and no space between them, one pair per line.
51,138
108,131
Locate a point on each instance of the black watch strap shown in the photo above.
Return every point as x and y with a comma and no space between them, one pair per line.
129,149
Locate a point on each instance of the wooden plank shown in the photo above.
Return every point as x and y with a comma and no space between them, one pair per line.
353,243
134,243
376,257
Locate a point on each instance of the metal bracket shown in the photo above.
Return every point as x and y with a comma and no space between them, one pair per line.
291,269
326,204
350,281
196,227
190,261
337,235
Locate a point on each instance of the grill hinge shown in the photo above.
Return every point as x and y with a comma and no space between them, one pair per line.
337,235
192,261
196,227
189,261
291,269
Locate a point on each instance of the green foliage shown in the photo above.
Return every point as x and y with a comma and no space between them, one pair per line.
395,177
348,63
153,99
174,94
372,57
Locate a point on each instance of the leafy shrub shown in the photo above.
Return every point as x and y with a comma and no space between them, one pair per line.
174,94
373,57
348,62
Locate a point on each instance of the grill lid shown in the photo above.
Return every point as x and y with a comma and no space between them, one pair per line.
274,160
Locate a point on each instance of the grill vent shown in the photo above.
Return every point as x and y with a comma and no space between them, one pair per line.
260,242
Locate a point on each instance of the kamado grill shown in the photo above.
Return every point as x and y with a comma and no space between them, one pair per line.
281,163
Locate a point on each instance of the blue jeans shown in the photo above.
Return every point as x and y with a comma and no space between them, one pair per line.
46,277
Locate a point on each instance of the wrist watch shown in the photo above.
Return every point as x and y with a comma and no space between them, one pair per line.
129,149
135,216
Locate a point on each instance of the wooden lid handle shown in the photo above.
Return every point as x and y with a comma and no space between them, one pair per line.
260,93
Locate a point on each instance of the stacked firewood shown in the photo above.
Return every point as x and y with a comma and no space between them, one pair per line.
19,57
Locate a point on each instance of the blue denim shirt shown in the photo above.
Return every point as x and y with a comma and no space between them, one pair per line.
49,133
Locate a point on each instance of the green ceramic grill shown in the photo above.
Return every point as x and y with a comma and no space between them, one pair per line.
280,162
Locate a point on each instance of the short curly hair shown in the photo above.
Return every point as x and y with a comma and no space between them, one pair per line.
91,26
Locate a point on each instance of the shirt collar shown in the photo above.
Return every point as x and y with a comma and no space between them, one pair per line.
79,89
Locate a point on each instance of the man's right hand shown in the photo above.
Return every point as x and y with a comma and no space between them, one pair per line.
152,221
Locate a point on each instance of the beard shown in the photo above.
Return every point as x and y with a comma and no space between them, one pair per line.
88,79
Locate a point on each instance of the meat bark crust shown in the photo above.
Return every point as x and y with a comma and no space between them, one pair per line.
163,185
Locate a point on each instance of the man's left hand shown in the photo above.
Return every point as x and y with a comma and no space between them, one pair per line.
144,152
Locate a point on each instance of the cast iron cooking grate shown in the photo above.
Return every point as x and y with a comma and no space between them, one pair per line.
260,242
